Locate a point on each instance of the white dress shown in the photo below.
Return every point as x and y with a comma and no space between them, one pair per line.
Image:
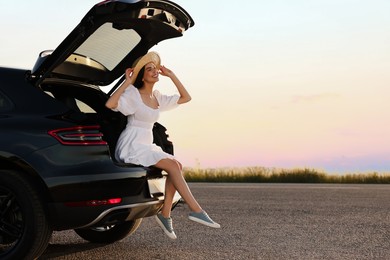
135,144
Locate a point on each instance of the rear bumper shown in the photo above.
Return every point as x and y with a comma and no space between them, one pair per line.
145,201
76,175
83,217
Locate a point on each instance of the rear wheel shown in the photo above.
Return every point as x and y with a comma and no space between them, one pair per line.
109,234
24,228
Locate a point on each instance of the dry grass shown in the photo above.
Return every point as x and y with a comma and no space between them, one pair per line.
273,175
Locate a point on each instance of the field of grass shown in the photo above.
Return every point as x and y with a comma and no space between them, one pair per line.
273,175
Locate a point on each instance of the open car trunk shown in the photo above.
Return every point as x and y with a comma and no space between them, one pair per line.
110,37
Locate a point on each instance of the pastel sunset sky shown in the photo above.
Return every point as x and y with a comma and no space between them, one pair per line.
284,84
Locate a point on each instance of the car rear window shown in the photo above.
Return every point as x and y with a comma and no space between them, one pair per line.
108,45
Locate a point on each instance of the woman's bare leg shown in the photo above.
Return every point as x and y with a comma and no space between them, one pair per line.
168,198
176,181
170,191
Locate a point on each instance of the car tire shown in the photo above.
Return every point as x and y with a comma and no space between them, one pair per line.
24,228
109,234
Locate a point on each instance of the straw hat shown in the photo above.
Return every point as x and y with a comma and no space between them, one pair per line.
141,62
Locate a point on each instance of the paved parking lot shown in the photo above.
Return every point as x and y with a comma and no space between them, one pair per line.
259,221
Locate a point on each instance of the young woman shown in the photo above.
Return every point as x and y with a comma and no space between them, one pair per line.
137,100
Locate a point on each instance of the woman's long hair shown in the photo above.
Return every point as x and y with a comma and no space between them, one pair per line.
138,83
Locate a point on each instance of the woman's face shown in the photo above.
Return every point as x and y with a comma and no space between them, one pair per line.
151,73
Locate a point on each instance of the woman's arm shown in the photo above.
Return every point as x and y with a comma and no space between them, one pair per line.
112,102
184,95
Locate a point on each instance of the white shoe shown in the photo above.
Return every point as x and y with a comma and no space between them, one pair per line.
204,219
166,225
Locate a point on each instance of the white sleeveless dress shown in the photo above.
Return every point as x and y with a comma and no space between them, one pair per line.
135,144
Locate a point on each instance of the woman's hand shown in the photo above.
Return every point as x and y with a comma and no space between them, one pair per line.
129,73
112,102
166,72
184,95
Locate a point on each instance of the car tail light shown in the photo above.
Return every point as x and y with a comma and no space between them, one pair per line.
79,135
93,203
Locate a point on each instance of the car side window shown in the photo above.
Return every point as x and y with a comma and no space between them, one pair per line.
5,103
84,107
75,104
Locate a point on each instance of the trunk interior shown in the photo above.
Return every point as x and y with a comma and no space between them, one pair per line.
86,105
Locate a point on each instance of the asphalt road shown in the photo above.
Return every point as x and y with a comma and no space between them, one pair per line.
259,221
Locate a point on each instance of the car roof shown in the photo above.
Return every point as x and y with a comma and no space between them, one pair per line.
23,97
110,37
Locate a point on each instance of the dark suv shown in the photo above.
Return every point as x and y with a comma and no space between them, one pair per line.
57,169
